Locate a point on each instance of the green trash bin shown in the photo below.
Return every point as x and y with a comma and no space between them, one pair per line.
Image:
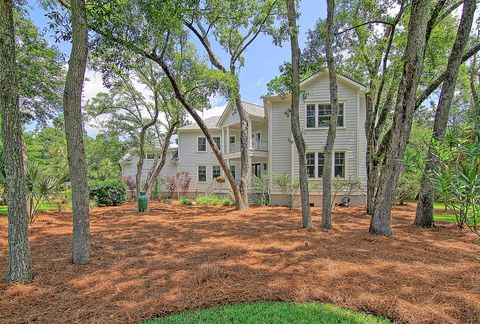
142,201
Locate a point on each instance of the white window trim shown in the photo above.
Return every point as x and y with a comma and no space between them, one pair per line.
216,165
344,163
316,103
220,137
198,173
333,163
206,144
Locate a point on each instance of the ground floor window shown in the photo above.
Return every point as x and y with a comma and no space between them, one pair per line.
215,171
320,161
311,164
232,170
339,164
202,173
257,169
316,160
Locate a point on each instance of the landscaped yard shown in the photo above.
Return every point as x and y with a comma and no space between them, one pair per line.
176,258
43,207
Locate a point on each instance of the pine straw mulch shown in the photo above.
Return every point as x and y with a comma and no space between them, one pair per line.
175,258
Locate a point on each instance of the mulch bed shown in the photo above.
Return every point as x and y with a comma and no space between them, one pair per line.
175,258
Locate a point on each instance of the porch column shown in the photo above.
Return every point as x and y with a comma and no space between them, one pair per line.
222,147
249,133
228,139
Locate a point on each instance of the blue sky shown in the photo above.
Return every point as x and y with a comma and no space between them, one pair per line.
262,58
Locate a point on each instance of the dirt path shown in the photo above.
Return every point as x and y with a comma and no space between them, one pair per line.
175,258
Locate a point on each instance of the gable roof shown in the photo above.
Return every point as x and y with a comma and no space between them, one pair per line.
250,108
210,122
340,77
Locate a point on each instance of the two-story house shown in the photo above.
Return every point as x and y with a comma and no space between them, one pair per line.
271,147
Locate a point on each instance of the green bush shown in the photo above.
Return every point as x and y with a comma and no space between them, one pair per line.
208,200
110,192
185,201
226,202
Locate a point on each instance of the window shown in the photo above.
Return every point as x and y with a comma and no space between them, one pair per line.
233,139
258,137
201,144
324,113
339,166
216,139
215,171
320,162
150,156
202,173
310,116
311,164
232,170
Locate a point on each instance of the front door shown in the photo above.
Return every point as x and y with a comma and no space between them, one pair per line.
257,169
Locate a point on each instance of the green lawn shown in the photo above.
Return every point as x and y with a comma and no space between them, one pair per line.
272,312
44,207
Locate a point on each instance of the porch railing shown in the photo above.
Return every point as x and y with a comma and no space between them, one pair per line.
256,146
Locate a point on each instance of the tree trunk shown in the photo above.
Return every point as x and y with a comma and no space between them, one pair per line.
216,151
156,169
141,152
424,214
294,115
402,119
332,129
19,259
72,98
244,156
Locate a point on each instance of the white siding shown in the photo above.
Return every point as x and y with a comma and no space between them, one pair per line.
170,167
190,159
350,138
281,137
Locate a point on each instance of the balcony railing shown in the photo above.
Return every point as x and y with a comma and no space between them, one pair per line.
256,146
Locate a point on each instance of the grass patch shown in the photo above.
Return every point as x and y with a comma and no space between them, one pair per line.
272,312
46,206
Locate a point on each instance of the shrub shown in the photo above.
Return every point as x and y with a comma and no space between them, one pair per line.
259,189
202,200
183,180
185,201
289,188
156,190
108,193
170,185
226,202
130,182
208,200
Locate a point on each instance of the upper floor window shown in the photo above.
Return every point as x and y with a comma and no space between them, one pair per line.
216,139
201,144
318,116
311,116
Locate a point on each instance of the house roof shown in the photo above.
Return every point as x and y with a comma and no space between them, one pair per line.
250,108
340,77
314,76
210,122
